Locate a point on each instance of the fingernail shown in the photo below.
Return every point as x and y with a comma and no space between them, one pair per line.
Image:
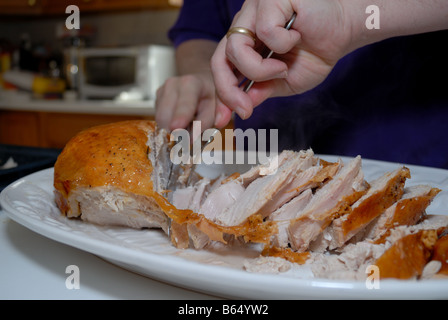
283,74
218,119
241,112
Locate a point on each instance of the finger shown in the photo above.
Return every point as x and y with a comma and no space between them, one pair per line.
206,113
223,115
240,50
261,91
251,64
226,83
165,104
272,17
187,102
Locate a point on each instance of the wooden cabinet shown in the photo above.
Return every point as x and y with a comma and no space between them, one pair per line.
49,129
21,6
19,128
55,129
59,6
48,7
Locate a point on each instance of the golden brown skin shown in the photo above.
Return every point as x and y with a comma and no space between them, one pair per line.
373,206
408,212
286,253
114,154
407,257
441,254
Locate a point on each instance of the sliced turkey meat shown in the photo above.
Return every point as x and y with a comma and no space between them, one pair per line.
285,214
383,192
329,202
265,194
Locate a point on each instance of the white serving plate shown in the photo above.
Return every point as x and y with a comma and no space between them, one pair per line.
30,202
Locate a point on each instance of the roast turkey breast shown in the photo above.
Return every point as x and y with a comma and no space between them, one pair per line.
114,175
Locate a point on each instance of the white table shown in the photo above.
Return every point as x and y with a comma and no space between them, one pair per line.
34,267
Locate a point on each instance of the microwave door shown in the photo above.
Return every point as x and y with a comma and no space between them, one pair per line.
107,76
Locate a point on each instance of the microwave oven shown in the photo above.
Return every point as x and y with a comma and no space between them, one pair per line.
127,73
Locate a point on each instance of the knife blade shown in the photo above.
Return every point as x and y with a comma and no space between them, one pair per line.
194,157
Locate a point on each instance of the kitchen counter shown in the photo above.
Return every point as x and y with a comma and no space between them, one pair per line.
51,123
34,267
137,108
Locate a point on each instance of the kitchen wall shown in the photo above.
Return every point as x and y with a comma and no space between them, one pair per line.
112,29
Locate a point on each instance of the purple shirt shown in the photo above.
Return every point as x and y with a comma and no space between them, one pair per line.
386,101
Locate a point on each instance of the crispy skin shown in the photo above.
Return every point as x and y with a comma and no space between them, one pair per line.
407,257
407,212
411,210
441,254
286,253
375,204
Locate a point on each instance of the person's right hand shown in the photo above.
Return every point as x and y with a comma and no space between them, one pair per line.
323,32
184,99
306,53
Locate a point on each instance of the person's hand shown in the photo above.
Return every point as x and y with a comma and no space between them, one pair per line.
304,57
323,32
191,95
184,99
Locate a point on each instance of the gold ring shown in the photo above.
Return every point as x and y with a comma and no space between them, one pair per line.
242,31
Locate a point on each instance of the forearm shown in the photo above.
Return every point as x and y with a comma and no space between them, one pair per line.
193,56
396,18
